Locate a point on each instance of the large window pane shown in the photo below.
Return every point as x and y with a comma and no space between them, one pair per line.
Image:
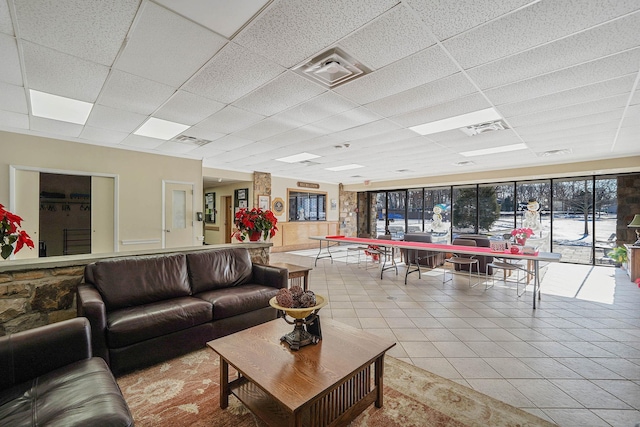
437,213
532,211
381,214
307,206
573,219
606,216
414,211
504,198
396,201
465,210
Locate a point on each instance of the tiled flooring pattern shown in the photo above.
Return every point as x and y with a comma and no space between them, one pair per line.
575,360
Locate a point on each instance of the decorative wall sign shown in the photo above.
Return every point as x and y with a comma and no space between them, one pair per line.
278,206
308,185
263,202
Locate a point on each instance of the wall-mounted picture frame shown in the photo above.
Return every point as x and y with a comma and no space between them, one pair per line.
210,207
242,194
264,202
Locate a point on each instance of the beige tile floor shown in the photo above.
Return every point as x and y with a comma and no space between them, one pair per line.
575,360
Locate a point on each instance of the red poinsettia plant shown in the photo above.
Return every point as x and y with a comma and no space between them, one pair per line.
10,234
522,233
254,223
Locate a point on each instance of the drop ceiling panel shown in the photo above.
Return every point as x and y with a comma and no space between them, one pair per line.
285,91
589,73
104,136
264,129
367,130
426,95
607,39
447,18
201,133
226,143
457,141
13,98
142,142
232,73
92,30
579,95
61,74
577,126
114,119
173,147
133,93
10,71
291,31
390,37
294,136
348,119
166,47
318,108
539,23
6,26
230,119
55,127
11,120
423,67
187,108
456,107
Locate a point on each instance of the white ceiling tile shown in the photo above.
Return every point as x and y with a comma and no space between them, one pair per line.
6,26
291,31
13,98
114,119
10,120
591,72
423,96
318,108
286,90
368,130
224,17
539,23
201,133
264,129
221,145
627,142
388,138
133,93
447,18
293,136
173,147
392,36
606,39
106,136
187,108
230,119
54,127
458,141
166,47
61,74
575,126
10,71
445,110
423,67
348,119
587,93
92,30
143,142
232,73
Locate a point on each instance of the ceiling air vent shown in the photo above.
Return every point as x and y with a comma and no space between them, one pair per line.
484,127
555,152
309,163
464,163
331,68
191,140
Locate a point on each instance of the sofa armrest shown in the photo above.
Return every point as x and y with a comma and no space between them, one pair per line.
29,354
269,275
91,306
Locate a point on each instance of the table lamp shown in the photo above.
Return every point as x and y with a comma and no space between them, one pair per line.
635,223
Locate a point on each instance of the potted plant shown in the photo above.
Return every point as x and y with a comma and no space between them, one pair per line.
10,234
254,224
618,255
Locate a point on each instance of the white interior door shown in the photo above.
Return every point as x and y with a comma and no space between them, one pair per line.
178,215
102,214
27,206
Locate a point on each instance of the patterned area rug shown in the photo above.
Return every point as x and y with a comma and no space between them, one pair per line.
184,392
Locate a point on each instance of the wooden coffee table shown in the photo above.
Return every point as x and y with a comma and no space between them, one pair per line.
327,384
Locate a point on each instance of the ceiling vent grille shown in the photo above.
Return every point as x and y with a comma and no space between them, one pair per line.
484,127
555,152
191,140
331,68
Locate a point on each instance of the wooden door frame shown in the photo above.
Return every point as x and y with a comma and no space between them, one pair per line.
12,190
164,216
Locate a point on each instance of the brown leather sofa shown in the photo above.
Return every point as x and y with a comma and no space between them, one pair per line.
48,377
147,309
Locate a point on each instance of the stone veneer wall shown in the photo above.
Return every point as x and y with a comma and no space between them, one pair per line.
261,186
348,203
628,207
38,293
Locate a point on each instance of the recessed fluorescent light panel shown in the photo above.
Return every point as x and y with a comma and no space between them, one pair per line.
495,150
161,129
457,122
298,158
344,167
59,108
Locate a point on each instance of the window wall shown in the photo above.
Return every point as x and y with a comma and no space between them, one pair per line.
575,216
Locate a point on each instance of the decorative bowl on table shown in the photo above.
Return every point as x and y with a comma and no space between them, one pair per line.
302,317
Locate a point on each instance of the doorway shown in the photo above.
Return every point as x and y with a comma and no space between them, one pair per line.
178,215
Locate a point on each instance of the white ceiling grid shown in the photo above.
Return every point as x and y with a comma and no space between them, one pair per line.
563,74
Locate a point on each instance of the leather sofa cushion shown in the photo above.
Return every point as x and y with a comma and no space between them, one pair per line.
81,394
228,302
127,282
217,269
136,324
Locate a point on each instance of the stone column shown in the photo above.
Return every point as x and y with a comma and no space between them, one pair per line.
261,186
348,217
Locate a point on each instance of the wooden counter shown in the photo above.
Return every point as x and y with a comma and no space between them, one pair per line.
633,264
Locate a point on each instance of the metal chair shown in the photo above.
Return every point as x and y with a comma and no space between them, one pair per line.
360,250
510,267
463,260
417,257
